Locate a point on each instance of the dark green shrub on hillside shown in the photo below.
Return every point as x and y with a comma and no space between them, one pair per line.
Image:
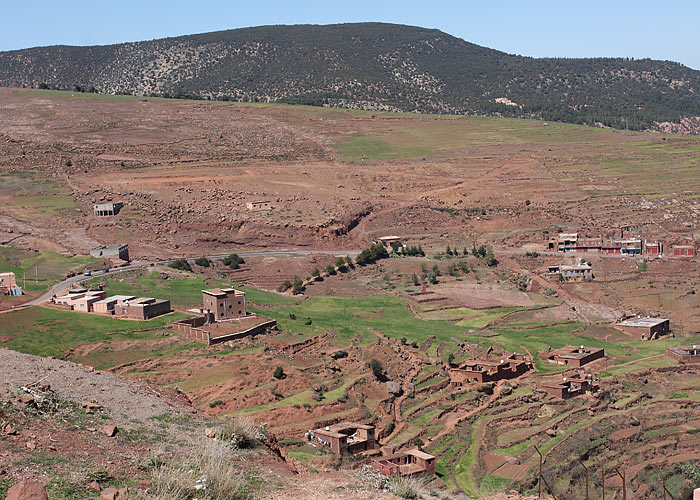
182,265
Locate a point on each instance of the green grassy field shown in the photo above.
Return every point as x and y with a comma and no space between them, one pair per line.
48,266
180,291
49,332
349,317
37,194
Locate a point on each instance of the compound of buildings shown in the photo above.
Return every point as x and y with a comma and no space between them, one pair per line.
345,438
484,370
573,356
570,386
406,463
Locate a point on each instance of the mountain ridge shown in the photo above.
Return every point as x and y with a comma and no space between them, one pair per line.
375,66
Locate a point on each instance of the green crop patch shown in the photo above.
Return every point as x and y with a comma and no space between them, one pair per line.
395,146
41,269
49,332
178,290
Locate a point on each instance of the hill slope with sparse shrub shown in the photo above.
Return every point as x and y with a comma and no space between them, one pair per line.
372,66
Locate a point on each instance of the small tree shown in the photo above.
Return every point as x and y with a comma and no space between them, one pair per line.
450,359
69,163
340,264
349,262
330,269
233,261
377,369
279,373
182,265
315,272
297,286
202,261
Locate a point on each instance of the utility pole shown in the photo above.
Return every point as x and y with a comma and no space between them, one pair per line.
602,468
624,483
585,469
36,273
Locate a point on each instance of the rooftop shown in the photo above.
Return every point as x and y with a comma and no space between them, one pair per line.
116,246
686,350
574,352
643,322
218,292
115,298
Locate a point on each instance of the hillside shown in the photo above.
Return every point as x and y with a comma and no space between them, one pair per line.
372,66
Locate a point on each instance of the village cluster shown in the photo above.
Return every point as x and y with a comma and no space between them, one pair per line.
224,317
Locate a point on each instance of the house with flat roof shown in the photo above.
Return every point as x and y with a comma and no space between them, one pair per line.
259,205
111,252
8,284
109,209
405,463
563,242
572,355
482,370
345,438
106,305
645,328
391,244
575,272
683,250
570,386
685,353
142,308
224,303
80,301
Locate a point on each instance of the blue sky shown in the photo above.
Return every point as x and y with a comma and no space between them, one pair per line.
642,28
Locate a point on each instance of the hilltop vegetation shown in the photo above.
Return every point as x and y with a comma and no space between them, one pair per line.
369,66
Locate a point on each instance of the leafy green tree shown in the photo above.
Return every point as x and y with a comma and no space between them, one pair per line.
377,370
182,265
202,261
279,373
297,286
233,261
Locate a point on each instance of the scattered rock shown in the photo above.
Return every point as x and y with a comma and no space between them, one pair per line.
26,399
109,494
31,444
94,485
109,430
8,429
27,490
210,432
144,484
90,408
393,388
